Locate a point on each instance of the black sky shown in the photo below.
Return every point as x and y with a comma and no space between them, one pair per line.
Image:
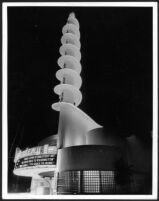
116,48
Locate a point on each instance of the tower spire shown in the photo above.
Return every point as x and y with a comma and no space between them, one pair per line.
72,14
73,122
69,62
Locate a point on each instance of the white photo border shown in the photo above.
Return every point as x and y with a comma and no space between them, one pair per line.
5,194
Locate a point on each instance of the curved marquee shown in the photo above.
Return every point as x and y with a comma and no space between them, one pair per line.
33,161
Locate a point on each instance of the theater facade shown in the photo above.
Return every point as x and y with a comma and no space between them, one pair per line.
81,158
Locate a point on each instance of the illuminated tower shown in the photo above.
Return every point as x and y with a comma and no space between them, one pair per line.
85,159
73,122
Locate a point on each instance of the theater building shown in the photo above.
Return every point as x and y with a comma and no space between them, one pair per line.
88,160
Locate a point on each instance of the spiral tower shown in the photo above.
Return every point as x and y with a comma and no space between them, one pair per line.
73,122
69,62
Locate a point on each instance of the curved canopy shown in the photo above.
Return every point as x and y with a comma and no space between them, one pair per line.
33,171
76,92
72,50
71,28
73,20
70,38
70,62
75,76
79,114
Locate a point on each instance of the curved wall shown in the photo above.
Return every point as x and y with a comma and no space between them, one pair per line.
101,137
89,157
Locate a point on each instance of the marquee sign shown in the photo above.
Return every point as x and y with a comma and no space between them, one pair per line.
34,152
36,160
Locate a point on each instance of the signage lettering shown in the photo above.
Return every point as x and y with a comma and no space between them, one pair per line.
36,160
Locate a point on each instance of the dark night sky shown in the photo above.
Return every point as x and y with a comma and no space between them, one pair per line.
116,48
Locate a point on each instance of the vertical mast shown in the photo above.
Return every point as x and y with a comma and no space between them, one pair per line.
73,122
69,62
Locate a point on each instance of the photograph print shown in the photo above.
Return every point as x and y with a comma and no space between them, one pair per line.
78,100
